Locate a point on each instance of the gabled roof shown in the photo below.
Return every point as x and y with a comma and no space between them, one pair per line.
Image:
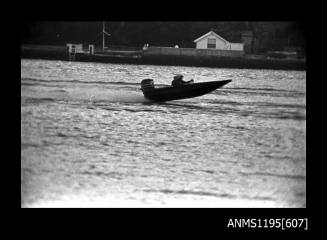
209,33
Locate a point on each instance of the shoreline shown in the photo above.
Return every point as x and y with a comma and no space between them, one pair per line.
140,58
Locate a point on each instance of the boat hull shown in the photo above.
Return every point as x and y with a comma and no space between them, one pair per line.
183,91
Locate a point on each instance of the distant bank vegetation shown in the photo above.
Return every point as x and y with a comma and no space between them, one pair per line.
271,36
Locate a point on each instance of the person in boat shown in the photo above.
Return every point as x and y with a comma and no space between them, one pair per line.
178,81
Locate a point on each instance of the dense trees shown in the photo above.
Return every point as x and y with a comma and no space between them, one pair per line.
271,35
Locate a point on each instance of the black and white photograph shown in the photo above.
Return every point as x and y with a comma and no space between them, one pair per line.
163,114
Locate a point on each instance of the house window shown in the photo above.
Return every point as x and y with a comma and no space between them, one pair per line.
211,43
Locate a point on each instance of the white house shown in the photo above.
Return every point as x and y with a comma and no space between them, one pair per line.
74,48
212,40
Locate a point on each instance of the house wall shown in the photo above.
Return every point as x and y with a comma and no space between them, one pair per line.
237,46
220,44
78,47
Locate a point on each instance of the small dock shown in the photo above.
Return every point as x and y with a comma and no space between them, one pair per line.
77,52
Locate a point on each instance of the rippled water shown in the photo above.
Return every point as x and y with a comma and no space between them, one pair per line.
90,139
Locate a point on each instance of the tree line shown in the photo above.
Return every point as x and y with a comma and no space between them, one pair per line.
270,35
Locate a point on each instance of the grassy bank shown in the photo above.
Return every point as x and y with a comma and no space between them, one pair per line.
59,53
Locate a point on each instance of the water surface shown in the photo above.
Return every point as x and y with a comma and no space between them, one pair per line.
90,139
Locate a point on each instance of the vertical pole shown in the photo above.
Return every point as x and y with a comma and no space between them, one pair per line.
103,27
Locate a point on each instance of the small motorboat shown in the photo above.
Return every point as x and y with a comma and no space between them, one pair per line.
169,93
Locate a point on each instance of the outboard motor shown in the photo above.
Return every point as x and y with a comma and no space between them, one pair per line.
147,84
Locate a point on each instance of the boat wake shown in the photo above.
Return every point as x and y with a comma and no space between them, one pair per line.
95,96
85,95
73,90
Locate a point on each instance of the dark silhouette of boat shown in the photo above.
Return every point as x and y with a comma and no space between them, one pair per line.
169,93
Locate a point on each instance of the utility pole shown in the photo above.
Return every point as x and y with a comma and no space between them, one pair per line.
103,27
104,33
